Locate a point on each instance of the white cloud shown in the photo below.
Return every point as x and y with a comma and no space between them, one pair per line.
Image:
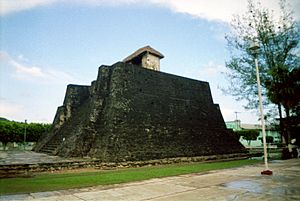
22,58
211,72
19,112
10,110
23,71
55,75
106,2
10,6
220,10
228,113
3,56
210,10
211,69
26,71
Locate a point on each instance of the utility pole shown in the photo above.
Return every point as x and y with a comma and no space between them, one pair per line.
236,120
254,48
25,134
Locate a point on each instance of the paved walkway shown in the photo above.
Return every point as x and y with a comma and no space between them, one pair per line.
29,157
243,183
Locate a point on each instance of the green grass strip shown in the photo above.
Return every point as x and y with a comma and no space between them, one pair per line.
51,182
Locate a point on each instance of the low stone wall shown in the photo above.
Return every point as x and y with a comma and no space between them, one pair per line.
27,170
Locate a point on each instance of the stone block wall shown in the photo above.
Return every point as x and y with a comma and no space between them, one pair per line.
132,114
75,96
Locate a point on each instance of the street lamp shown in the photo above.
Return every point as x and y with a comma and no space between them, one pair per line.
237,123
254,48
25,134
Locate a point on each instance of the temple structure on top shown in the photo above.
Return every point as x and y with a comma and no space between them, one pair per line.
146,57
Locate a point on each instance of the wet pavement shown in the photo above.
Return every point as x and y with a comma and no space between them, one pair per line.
244,183
28,157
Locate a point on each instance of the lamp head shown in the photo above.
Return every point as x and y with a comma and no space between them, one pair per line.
254,48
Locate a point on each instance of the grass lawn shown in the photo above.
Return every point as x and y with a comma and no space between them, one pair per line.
53,181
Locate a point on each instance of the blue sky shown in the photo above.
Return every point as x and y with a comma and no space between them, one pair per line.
47,44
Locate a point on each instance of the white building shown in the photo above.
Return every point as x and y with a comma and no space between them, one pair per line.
237,126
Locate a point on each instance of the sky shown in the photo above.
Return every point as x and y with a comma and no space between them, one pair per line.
47,44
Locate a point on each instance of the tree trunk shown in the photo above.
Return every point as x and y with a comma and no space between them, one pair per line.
281,129
4,145
287,125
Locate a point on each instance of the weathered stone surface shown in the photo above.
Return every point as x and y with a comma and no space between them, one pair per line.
131,113
28,169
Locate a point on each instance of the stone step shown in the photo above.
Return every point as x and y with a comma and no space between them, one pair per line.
46,152
52,145
54,142
47,147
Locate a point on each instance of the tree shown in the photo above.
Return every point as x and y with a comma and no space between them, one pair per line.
4,135
11,131
248,135
284,88
279,52
35,130
269,139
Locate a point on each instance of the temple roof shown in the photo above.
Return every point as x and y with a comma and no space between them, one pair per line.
142,51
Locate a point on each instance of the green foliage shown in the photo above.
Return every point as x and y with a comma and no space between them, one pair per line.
248,135
279,43
35,130
51,182
11,131
3,119
296,110
284,88
269,139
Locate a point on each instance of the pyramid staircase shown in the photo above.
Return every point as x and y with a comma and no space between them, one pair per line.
52,145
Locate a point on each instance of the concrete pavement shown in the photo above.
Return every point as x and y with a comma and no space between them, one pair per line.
244,183
27,157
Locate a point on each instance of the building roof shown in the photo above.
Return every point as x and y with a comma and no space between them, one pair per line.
142,51
240,126
250,126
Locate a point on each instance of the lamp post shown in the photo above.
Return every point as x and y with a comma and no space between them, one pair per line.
237,121
254,48
25,134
